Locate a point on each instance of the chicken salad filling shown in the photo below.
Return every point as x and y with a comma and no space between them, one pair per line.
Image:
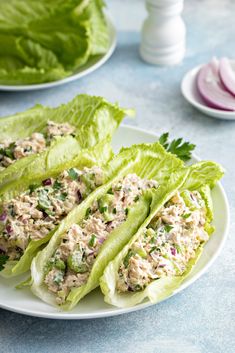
72,261
10,151
166,245
36,212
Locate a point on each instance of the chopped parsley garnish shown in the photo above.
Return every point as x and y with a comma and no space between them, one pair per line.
126,211
73,174
127,258
57,185
88,212
186,215
63,196
33,187
110,191
118,188
136,198
114,210
3,260
181,149
92,240
103,209
152,249
9,151
168,228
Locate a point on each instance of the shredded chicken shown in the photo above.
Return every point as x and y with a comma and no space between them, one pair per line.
80,246
36,212
166,246
36,143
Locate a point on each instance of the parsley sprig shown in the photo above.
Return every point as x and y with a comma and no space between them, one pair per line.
181,149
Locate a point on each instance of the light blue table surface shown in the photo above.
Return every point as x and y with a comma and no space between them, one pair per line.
201,319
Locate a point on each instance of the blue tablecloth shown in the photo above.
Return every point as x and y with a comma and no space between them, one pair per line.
201,318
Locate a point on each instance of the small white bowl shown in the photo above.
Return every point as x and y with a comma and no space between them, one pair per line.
191,94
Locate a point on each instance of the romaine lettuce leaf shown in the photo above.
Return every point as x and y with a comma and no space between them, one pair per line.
46,41
93,117
147,161
199,173
86,158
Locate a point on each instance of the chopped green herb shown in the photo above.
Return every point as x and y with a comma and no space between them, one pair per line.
181,149
60,264
138,287
114,210
186,215
168,228
73,174
3,260
118,188
152,249
92,240
57,185
126,211
103,209
9,151
88,211
63,196
110,191
33,187
127,258
58,277
136,198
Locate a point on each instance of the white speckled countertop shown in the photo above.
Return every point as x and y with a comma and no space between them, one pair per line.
201,318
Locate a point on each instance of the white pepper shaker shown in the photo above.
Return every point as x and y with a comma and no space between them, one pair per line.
163,33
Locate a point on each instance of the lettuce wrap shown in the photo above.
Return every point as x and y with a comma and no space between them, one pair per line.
151,265
145,162
45,41
92,120
87,158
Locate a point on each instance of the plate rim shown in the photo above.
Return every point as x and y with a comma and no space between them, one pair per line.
215,113
74,76
119,311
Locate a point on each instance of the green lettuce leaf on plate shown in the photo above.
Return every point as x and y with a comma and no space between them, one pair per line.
97,156
202,177
43,41
149,161
93,118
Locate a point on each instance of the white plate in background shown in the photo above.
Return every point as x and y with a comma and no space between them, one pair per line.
92,65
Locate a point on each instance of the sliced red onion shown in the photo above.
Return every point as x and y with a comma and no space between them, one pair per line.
9,229
211,88
173,251
47,182
3,217
162,265
101,240
79,195
227,75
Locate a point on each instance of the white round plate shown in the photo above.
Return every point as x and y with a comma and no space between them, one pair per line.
191,94
93,305
86,69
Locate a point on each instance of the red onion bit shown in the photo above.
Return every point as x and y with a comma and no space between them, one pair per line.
47,182
173,251
9,229
3,217
101,240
